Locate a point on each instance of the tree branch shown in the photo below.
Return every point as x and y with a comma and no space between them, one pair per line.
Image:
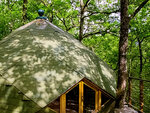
99,32
144,38
91,34
138,9
63,21
86,4
105,12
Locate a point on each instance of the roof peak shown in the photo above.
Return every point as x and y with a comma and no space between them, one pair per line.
41,13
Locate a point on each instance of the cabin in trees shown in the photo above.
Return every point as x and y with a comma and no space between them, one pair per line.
43,69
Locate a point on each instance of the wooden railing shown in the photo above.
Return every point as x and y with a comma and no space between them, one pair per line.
141,107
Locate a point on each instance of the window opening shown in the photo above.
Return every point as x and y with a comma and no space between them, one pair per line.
72,100
104,98
89,99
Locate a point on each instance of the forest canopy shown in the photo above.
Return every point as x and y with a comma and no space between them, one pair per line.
96,23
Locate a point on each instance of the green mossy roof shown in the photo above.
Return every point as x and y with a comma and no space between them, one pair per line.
43,61
12,100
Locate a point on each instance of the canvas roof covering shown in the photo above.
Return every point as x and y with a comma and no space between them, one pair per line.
43,61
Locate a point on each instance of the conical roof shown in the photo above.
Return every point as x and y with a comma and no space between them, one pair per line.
43,61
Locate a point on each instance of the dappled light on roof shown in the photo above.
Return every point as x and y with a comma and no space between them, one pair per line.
42,61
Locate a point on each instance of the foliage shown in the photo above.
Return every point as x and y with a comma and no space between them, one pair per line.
101,27
140,28
106,47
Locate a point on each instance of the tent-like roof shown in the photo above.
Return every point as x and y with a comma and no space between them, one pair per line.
43,61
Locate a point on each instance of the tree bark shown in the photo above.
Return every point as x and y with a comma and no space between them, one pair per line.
123,44
25,10
122,61
82,8
81,20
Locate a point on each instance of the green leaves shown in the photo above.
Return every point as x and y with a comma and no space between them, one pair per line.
106,47
101,21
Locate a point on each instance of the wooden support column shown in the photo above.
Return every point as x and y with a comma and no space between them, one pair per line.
99,100
96,101
63,103
81,96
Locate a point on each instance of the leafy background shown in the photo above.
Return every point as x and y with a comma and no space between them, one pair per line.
100,34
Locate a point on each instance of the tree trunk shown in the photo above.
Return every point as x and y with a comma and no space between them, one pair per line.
122,61
83,9
81,20
123,44
141,85
25,10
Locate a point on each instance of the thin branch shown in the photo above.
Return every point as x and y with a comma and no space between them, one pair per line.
144,38
113,34
91,34
105,12
99,32
138,9
70,28
139,79
86,4
72,21
63,21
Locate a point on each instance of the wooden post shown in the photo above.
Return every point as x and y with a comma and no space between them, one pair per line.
96,101
81,96
130,90
99,100
63,103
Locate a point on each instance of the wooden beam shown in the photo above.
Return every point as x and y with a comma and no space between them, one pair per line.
63,103
90,84
99,100
95,87
96,101
71,88
81,96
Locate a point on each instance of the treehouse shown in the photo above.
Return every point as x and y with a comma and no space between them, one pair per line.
43,69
